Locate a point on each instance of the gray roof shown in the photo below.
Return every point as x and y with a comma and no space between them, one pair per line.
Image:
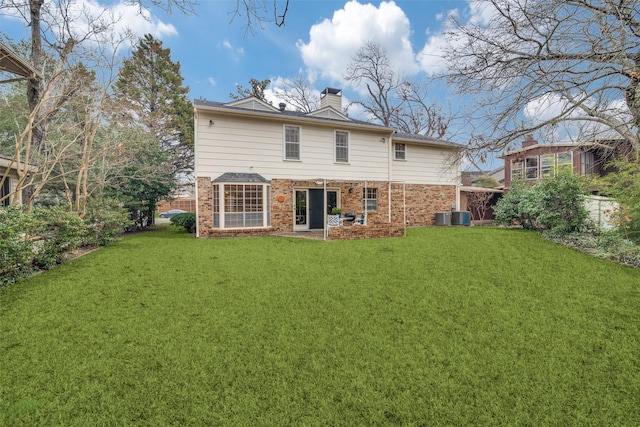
425,139
240,177
288,113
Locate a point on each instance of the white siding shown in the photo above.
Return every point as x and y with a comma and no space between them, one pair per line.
426,165
233,144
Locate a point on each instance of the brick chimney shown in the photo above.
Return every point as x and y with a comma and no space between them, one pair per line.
529,141
331,97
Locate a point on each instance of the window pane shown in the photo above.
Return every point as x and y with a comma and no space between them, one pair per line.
586,163
547,166
370,196
400,150
292,143
564,161
342,147
244,205
532,167
517,170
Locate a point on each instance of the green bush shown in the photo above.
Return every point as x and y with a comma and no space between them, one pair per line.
16,244
185,220
105,220
61,231
624,186
517,207
555,204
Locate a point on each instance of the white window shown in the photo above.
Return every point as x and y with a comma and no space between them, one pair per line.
342,147
240,205
517,170
547,165
531,167
586,163
292,143
565,161
400,151
370,196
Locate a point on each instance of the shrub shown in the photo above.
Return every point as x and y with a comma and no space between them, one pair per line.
186,221
16,245
517,207
561,203
624,186
555,204
105,220
62,232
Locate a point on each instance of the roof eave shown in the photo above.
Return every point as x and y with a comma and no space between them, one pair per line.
290,118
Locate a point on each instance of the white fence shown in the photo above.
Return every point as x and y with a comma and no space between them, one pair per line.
600,210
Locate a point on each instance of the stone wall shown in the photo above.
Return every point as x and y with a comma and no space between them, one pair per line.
205,206
422,202
356,232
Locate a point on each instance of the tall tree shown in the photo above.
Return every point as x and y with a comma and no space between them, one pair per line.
536,65
298,93
150,91
392,100
257,90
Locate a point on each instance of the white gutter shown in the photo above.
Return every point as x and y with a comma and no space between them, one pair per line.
195,170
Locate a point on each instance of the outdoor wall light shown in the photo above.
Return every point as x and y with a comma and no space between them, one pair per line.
382,140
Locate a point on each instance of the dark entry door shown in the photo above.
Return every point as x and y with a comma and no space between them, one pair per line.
316,209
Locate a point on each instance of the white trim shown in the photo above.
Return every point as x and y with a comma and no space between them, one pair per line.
335,147
305,226
284,142
395,152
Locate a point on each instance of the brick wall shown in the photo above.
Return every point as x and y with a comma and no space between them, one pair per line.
356,232
422,202
205,206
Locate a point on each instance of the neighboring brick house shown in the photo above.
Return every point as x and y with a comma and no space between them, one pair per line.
263,170
536,161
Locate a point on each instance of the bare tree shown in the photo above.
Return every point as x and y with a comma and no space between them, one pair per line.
479,203
547,64
256,12
392,100
298,93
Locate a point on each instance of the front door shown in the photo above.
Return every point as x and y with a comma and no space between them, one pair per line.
301,210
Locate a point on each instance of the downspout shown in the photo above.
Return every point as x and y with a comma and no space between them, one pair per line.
324,208
195,168
389,173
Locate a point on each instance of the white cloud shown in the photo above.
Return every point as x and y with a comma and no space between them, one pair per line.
212,81
431,57
236,53
333,42
104,24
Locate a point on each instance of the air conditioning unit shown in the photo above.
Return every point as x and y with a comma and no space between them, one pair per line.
460,218
443,218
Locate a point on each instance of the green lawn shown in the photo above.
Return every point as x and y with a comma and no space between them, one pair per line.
448,326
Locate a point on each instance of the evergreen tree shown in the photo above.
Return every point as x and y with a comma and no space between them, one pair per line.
150,91
257,90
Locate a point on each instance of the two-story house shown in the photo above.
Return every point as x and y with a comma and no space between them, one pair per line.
264,170
537,161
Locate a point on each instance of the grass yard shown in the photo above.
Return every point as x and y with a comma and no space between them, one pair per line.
448,326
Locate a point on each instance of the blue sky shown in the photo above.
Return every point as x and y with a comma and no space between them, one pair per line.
317,41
